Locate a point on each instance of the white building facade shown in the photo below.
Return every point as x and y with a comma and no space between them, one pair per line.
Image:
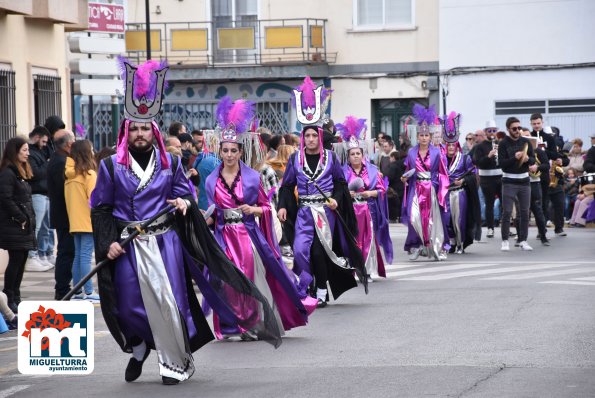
501,58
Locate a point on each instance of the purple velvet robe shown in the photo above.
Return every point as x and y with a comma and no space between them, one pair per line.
458,166
131,203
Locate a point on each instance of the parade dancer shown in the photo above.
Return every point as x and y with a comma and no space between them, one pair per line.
239,199
320,243
368,191
463,211
147,298
426,191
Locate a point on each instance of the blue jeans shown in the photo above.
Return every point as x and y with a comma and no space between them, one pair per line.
41,207
83,250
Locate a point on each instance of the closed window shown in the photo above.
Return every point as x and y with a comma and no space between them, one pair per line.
8,116
383,13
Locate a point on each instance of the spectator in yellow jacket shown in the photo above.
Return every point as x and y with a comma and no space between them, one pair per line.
81,176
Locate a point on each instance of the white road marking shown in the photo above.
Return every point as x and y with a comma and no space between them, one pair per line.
13,390
8,338
587,278
484,272
441,268
569,283
530,275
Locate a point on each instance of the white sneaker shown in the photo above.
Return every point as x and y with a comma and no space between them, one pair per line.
414,254
525,246
34,265
490,233
505,246
51,259
44,260
442,256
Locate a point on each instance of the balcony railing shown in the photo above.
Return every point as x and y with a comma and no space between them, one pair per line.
247,42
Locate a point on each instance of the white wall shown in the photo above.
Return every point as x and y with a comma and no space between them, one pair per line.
516,32
474,96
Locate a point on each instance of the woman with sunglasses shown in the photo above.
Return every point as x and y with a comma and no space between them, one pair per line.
237,193
426,192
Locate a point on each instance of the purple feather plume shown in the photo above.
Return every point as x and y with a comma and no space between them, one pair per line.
351,127
450,122
422,114
239,113
80,130
145,79
308,99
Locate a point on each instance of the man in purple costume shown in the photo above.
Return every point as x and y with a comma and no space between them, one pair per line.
147,298
462,216
317,248
426,191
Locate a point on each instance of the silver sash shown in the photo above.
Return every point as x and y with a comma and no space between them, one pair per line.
436,235
455,215
325,235
175,358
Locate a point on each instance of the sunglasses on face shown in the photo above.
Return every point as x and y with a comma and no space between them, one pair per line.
470,139
492,130
516,128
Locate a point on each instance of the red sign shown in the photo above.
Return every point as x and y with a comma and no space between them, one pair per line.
106,18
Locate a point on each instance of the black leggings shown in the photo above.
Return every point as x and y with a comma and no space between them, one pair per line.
319,263
13,276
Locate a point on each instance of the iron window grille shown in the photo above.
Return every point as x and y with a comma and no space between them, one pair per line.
8,114
47,96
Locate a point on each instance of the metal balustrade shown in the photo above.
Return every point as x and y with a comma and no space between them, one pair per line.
232,43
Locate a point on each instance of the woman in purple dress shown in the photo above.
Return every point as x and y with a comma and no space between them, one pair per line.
368,191
426,191
462,201
237,193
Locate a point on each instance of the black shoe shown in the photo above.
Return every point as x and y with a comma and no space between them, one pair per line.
545,242
169,381
321,303
452,249
135,367
14,324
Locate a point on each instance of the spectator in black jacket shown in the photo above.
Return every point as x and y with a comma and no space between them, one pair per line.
17,218
63,140
38,259
53,124
589,164
396,187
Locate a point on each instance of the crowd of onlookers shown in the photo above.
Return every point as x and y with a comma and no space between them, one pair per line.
46,182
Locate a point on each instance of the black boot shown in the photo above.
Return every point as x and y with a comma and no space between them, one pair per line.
135,367
169,381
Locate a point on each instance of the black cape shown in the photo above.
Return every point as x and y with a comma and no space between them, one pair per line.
201,250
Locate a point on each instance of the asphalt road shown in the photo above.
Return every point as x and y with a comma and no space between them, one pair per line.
482,324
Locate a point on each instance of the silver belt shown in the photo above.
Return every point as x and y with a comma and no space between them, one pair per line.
157,227
233,216
312,200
